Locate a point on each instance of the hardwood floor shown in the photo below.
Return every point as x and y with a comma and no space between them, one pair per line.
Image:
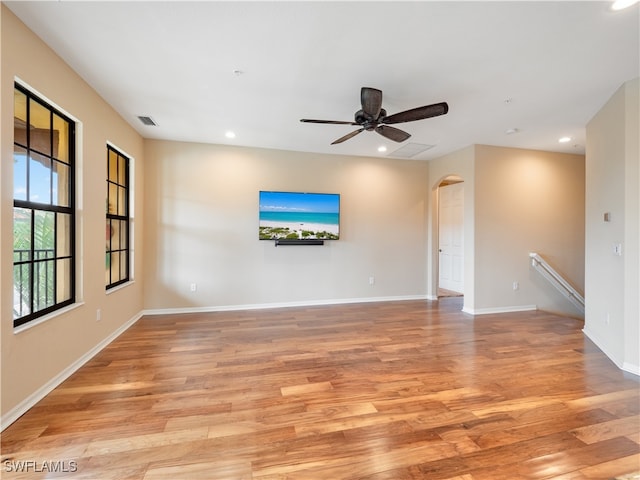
399,390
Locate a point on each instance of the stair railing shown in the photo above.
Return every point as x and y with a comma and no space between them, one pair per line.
564,287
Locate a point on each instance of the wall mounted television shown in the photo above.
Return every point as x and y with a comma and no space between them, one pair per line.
299,217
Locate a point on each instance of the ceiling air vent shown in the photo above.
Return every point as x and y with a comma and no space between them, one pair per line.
410,150
148,121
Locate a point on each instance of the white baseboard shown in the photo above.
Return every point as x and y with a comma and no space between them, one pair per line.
594,338
260,306
492,310
20,409
622,365
631,368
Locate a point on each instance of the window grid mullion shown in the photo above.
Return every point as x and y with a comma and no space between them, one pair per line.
28,148
55,258
51,157
32,263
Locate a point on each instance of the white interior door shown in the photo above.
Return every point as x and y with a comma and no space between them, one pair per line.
451,237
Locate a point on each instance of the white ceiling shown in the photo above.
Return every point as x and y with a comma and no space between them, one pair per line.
200,69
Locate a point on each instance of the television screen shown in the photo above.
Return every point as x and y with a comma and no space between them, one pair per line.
299,216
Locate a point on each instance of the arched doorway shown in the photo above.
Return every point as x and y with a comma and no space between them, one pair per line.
451,237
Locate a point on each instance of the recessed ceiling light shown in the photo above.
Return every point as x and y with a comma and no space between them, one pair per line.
511,131
230,134
382,148
622,4
564,139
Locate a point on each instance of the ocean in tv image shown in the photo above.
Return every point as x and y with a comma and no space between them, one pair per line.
300,216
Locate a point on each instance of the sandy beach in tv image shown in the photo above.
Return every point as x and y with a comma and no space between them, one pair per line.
301,216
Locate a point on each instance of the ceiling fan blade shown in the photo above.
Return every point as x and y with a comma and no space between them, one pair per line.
347,136
392,133
371,99
333,122
419,113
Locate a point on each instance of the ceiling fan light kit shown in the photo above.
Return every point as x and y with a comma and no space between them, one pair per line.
372,117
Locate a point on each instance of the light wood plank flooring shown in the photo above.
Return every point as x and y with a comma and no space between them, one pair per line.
398,390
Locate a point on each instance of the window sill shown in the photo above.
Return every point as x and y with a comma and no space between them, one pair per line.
120,287
46,318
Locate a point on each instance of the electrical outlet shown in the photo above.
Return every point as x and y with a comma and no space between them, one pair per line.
372,280
193,287
98,315
516,286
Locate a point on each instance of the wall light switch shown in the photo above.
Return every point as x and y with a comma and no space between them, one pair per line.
607,216
617,249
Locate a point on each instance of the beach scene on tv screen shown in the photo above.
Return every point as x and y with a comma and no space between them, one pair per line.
299,216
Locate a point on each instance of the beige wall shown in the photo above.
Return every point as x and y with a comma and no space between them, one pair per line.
613,182
34,359
516,201
202,227
527,201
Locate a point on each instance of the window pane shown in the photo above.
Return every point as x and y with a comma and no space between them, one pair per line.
115,267
124,243
63,235
43,285
122,171
122,201
21,234
115,235
108,269
113,166
123,265
44,235
40,128
113,199
60,184
20,109
39,179
19,173
109,234
19,117
63,278
21,291
60,138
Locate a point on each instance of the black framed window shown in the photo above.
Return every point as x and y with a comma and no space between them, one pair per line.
118,255
43,208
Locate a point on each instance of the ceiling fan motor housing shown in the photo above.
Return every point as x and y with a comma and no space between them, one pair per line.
367,121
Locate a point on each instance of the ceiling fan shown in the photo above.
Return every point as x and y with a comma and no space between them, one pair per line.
373,117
